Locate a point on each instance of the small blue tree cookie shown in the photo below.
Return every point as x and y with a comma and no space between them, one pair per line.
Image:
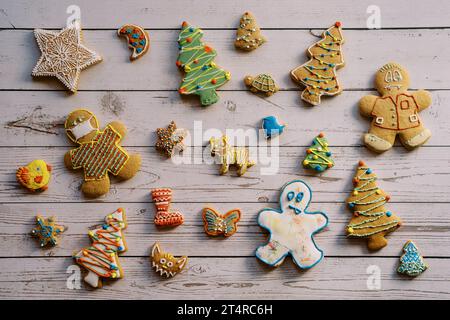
318,156
292,228
411,262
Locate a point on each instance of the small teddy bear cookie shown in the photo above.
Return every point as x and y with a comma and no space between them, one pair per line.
263,83
370,219
98,153
195,58
47,231
395,111
163,217
166,264
292,228
228,155
318,156
411,262
101,257
138,39
63,56
35,176
318,75
217,224
170,139
248,34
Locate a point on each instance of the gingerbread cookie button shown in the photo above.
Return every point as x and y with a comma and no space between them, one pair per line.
138,39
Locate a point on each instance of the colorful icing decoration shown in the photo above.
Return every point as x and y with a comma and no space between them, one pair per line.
261,83
63,55
318,75
272,127
370,219
101,258
164,217
170,140
411,262
138,39
227,155
318,156
202,76
166,264
217,224
98,153
35,176
47,231
248,34
292,228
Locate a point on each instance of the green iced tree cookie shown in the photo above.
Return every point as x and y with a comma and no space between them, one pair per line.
318,156
203,76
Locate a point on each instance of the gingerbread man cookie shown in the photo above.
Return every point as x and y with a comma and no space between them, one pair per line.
395,112
292,228
98,153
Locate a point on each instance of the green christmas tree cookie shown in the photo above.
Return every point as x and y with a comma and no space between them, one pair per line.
318,156
202,76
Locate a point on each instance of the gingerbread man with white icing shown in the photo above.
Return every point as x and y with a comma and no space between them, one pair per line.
292,228
395,112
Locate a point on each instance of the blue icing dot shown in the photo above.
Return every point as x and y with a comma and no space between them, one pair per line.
318,168
191,29
134,44
369,171
142,42
138,50
388,213
328,154
129,30
351,205
135,35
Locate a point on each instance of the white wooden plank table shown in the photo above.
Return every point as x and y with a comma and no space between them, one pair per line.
143,95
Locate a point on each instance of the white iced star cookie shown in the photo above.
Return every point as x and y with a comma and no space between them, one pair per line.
63,55
292,228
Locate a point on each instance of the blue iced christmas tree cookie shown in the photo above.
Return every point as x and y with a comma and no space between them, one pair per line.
411,262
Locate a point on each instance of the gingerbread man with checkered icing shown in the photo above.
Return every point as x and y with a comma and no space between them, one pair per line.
395,112
292,228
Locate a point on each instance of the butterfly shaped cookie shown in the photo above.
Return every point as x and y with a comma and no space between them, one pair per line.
216,224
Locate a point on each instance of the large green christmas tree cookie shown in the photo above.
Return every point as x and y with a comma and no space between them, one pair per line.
318,156
203,76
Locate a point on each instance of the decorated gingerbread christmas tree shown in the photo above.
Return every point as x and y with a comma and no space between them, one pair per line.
203,76
318,75
411,262
248,34
101,258
318,156
370,219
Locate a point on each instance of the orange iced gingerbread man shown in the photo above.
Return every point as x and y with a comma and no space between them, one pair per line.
395,111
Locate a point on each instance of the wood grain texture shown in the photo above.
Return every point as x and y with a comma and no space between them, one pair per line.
228,278
222,14
364,52
143,95
402,176
16,221
37,118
